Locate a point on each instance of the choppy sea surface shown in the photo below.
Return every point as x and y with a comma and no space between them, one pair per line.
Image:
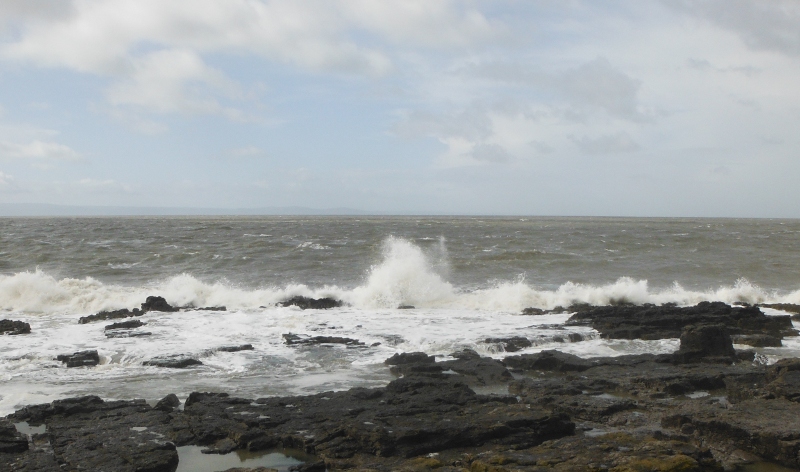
468,279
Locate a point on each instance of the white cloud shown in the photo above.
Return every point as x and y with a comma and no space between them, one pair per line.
6,180
37,150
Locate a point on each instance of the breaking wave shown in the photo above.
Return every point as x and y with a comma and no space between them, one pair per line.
406,275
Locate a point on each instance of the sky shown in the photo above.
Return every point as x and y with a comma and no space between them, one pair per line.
540,107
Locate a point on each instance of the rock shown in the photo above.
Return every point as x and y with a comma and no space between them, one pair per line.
463,354
89,434
168,403
549,360
533,311
12,327
757,340
173,362
406,307
667,321
410,358
766,428
213,308
242,347
110,315
10,439
256,469
512,344
80,359
125,325
480,370
126,334
313,303
787,307
155,303
294,339
705,341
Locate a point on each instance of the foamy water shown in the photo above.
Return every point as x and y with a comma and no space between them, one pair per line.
461,295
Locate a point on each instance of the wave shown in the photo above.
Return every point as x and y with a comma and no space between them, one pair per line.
406,275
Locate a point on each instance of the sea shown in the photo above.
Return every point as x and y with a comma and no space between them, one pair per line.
467,278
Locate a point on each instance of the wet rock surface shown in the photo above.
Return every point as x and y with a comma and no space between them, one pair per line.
110,315
125,325
296,339
666,321
80,359
173,362
705,407
311,303
13,327
156,303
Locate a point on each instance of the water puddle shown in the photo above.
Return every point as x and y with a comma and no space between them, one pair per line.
29,430
192,460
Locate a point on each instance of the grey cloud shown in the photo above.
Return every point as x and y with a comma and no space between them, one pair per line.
493,153
607,144
705,65
595,84
771,25
472,124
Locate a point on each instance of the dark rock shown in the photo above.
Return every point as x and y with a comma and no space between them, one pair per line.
661,322
705,341
174,362
549,360
533,311
757,340
213,308
243,347
512,344
80,359
463,354
110,315
294,339
168,403
89,434
318,466
155,303
746,355
406,307
10,439
575,337
312,303
125,325
12,327
480,371
256,469
766,428
410,358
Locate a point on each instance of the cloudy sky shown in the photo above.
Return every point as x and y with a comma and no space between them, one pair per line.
550,107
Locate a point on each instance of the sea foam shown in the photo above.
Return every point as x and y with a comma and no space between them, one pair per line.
405,275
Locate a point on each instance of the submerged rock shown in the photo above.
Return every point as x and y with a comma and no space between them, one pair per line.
125,325
12,327
174,362
80,359
295,339
242,347
512,344
311,303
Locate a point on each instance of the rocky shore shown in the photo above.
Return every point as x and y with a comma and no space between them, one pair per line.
706,407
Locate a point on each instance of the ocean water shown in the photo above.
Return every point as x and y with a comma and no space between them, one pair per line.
467,278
